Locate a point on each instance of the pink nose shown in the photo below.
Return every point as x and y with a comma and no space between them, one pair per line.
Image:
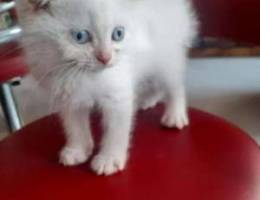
104,57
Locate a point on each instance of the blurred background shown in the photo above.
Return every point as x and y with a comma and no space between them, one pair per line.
223,74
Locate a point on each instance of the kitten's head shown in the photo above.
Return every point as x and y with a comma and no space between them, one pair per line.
92,34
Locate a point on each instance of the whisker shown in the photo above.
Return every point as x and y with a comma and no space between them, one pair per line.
64,76
44,76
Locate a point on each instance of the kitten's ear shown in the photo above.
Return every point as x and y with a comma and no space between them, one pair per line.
40,4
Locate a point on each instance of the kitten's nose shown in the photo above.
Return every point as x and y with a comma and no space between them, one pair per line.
104,57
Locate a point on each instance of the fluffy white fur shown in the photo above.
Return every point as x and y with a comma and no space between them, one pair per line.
146,67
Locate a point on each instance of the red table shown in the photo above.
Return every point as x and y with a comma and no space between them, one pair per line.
209,160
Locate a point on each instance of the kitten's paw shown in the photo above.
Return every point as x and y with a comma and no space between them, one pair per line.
74,156
150,102
107,164
175,120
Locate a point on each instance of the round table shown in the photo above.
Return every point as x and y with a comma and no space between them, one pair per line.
209,160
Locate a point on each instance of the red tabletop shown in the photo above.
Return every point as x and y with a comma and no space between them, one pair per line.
209,160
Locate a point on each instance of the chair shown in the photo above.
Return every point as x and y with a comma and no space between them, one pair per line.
12,66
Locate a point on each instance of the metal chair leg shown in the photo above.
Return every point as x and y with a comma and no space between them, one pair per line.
10,107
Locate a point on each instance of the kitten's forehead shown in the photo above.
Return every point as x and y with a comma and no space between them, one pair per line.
89,13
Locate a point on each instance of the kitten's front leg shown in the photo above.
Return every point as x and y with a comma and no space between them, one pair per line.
79,143
117,122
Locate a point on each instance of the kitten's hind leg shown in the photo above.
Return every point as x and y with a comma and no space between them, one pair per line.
149,94
175,114
150,101
79,143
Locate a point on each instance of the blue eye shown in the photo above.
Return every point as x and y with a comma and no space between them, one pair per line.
118,34
81,37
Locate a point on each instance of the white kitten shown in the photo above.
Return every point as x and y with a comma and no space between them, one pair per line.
116,55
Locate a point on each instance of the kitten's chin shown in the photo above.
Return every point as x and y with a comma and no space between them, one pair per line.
98,68
101,67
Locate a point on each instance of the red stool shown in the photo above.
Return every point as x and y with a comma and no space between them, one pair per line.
209,160
12,65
